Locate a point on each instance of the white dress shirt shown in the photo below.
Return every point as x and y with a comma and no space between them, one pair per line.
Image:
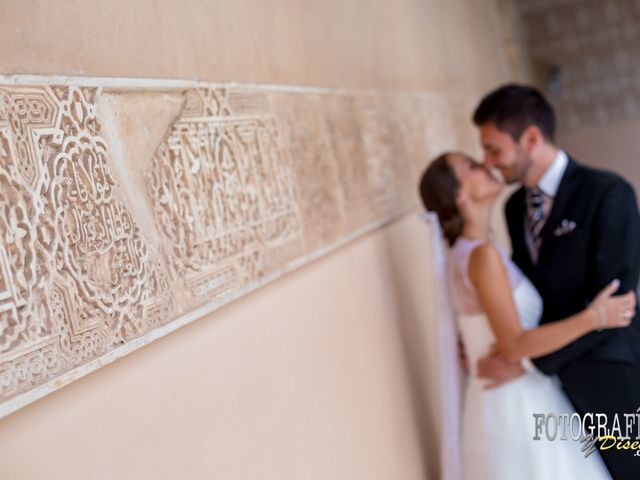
550,179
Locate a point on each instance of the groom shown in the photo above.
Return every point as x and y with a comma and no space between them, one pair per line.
573,230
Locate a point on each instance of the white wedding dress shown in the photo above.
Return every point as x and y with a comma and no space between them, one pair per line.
498,424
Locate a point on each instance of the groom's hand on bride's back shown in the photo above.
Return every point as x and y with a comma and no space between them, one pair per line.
498,370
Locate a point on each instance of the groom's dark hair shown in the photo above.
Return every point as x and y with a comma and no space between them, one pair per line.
513,108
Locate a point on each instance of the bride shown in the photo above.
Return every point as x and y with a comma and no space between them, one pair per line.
496,304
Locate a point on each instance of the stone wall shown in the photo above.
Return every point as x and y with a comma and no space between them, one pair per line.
182,153
128,212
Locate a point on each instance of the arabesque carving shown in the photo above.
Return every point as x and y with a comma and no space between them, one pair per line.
101,253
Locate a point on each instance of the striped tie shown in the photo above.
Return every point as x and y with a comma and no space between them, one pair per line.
535,217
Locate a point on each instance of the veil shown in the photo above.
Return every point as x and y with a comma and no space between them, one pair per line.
448,368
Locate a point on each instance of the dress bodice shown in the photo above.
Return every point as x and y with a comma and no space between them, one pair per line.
473,323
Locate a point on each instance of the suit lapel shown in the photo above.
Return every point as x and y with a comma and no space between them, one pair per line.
563,196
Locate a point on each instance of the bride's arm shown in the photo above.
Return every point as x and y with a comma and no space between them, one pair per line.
489,276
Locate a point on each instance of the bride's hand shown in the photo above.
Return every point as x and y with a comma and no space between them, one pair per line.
613,312
498,370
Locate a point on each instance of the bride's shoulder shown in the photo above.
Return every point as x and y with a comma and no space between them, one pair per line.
479,251
485,261
484,252
464,247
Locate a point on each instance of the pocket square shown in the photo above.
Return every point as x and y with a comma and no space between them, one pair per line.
565,227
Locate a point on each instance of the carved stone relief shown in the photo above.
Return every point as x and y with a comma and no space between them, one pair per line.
223,192
77,275
244,183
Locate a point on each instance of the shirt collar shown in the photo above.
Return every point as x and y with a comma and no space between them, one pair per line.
550,180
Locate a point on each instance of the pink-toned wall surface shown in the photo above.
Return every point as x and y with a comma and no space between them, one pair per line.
323,374
615,146
404,44
304,378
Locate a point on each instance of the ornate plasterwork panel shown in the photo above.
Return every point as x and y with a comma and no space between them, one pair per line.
223,192
101,253
595,45
77,276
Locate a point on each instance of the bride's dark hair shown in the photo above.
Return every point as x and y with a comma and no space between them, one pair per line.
438,190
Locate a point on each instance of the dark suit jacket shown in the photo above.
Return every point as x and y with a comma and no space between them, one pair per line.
574,267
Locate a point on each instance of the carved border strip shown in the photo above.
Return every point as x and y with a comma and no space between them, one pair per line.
247,184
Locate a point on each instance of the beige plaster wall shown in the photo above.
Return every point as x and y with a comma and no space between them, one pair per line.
318,375
304,378
615,146
404,44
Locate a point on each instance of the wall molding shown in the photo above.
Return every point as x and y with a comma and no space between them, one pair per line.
132,207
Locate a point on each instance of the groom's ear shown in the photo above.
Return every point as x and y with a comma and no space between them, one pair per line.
531,138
